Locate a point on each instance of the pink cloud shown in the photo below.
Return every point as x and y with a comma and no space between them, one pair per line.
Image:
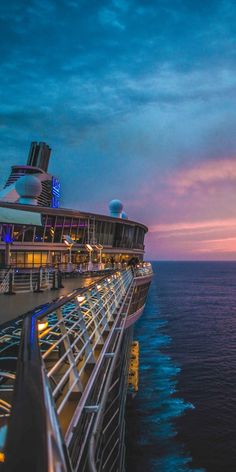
208,172
187,209
222,245
193,227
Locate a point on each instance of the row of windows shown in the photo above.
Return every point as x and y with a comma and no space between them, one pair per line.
80,230
52,258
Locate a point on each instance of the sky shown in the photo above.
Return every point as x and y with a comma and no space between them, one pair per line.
138,101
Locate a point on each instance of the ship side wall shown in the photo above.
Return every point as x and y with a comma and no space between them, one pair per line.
138,301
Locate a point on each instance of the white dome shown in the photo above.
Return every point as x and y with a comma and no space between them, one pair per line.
28,186
115,206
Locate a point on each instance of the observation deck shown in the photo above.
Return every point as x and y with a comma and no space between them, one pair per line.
64,376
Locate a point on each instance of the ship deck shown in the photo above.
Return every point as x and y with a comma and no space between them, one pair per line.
13,306
63,376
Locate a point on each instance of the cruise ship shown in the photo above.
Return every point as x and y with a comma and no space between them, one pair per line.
67,365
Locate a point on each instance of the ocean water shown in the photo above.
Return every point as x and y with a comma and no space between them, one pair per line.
183,418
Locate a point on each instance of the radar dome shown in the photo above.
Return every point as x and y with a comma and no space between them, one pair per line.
124,215
115,207
29,188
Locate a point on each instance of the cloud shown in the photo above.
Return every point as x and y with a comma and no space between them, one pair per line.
137,95
205,173
225,245
195,225
110,18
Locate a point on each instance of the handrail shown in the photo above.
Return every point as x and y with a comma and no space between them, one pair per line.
34,441
35,446
62,300
98,422
28,280
65,375
5,281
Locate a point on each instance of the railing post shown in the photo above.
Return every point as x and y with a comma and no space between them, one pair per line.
31,281
88,349
98,327
74,375
39,280
54,281
10,285
34,441
59,279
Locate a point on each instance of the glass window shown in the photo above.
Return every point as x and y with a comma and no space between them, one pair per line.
29,234
49,229
67,226
58,229
74,229
82,236
18,231
20,259
37,258
44,259
38,237
29,259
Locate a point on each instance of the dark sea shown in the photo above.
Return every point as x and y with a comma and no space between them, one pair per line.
183,418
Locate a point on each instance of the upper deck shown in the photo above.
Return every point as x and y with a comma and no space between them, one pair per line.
118,237
40,239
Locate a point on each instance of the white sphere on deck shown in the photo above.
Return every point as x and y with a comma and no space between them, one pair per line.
116,207
29,188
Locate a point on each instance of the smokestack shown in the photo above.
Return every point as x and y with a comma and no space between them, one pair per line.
39,155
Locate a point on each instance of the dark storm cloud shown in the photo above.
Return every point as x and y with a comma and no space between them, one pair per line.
117,88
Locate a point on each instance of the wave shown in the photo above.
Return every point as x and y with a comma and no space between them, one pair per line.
152,418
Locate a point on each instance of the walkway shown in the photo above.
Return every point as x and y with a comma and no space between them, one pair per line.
12,306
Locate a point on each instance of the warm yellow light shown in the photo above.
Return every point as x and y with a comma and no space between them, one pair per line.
2,457
89,247
98,286
42,325
80,298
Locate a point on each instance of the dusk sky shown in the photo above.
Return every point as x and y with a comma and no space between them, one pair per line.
138,101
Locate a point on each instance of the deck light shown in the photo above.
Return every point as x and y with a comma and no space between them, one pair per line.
90,250
89,247
69,243
80,298
99,247
42,325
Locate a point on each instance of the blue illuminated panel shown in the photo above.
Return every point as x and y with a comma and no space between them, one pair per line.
6,235
56,191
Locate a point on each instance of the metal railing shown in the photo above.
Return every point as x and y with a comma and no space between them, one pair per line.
66,357
96,445
85,267
14,280
34,440
144,269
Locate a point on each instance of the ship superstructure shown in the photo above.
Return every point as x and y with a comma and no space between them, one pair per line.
65,366
37,165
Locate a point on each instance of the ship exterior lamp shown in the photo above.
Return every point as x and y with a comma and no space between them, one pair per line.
90,250
99,247
69,243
